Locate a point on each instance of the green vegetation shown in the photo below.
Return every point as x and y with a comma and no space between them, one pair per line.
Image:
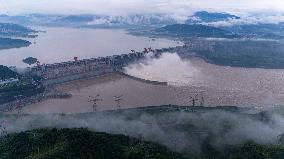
230,49
30,60
194,30
78,143
237,53
195,132
248,150
15,30
8,43
81,143
251,54
25,86
6,73
8,33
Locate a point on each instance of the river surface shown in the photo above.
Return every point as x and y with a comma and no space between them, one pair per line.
219,85
209,84
63,44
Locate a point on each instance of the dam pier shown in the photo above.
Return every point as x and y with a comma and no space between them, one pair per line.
79,69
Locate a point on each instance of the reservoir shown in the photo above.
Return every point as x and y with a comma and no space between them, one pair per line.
63,44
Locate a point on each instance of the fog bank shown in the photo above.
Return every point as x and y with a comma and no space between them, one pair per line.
178,130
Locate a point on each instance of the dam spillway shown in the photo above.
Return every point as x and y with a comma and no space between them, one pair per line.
74,70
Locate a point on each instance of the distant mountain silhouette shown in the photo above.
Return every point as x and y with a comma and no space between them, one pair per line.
14,30
195,30
204,16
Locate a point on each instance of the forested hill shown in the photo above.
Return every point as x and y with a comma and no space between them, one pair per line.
15,30
11,34
83,144
195,30
5,73
204,16
79,144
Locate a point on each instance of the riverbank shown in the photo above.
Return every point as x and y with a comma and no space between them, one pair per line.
108,86
18,105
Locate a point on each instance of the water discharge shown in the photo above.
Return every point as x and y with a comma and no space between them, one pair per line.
222,85
167,68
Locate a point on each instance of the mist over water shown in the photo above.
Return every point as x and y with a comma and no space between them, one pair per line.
167,68
220,85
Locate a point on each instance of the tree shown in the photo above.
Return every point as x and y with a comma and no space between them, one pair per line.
281,139
30,60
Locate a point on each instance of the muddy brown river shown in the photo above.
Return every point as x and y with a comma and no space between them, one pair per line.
209,84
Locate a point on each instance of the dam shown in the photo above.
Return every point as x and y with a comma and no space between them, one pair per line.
78,69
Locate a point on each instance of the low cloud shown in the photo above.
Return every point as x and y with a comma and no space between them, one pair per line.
117,7
250,19
178,130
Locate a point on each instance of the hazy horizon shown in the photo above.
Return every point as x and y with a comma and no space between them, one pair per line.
116,7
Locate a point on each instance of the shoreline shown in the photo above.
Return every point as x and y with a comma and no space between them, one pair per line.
142,92
54,92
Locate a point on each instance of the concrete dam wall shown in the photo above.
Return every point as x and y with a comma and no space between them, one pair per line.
74,70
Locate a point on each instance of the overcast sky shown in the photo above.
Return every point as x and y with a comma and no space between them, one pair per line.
111,7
